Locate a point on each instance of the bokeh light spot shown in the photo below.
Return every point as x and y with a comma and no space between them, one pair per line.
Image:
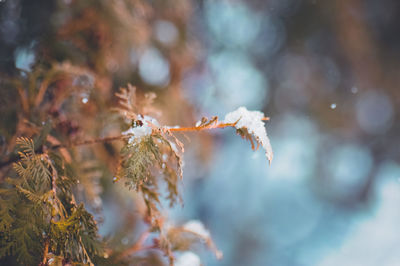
374,112
165,32
154,68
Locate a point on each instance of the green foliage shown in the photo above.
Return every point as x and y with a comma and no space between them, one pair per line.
32,168
75,236
145,162
41,221
137,160
39,215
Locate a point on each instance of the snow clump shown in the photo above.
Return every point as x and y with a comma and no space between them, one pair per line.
143,130
252,121
197,227
188,258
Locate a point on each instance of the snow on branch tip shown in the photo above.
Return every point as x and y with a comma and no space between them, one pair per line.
250,124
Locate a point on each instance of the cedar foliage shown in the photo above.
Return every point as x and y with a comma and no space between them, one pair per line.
36,215
59,154
41,221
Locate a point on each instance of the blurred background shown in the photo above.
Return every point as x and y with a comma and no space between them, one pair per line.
325,72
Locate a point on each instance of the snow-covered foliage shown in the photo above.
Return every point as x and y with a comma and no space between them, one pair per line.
252,121
197,227
188,258
143,129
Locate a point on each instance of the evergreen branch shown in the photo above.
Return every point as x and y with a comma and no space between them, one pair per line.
44,218
30,195
39,150
14,158
85,251
45,252
171,129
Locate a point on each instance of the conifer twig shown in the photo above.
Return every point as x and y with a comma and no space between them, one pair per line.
209,125
121,137
137,246
206,126
199,128
39,150
45,251
89,142
54,175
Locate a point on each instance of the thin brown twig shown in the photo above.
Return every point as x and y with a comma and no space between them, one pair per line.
207,126
15,157
121,137
199,128
89,142
137,246
45,252
54,175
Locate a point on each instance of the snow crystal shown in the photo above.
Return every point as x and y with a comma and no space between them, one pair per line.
188,258
197,227
252,121
174,148
169,127
143,130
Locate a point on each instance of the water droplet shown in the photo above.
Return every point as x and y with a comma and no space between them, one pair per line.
354,90
115,179
85,100
125,241
333,106
97,201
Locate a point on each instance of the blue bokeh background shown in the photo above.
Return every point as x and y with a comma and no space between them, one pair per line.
331,194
